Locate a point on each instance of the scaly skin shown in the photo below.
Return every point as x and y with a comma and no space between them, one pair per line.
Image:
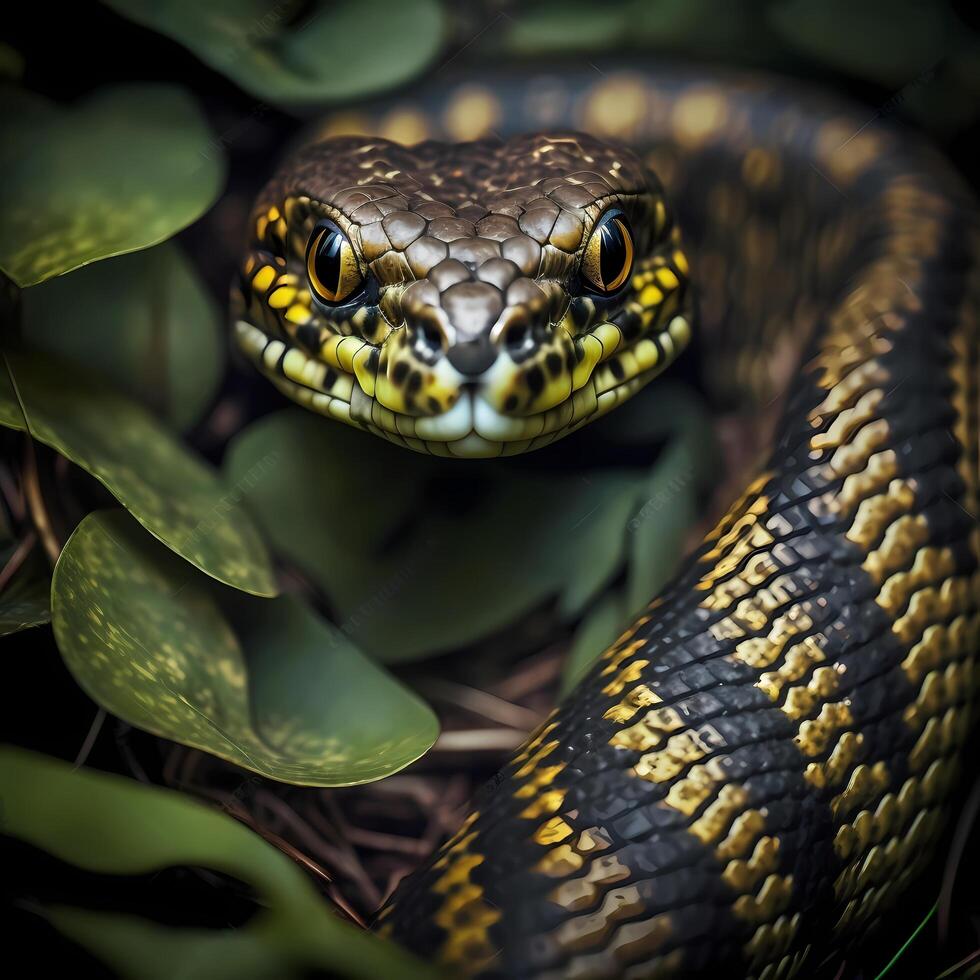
750,777
480,274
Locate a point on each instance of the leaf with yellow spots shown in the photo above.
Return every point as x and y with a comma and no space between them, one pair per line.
263,683
175,495
108,825
144,320
124,169
277,51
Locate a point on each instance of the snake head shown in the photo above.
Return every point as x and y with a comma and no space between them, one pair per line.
472,299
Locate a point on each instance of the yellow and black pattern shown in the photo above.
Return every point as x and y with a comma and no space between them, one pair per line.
751,775
477,332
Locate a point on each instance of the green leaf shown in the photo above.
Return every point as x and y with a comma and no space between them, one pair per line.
601,625
11,417
172,493
660,524
21,113
122,170
596,542
661,516
331,52
560,25
143,950
887,41
110,825
26,599
420,554
144,320
736,32
264,684
667,503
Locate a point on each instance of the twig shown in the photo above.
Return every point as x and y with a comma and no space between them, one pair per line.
17,559
483,703
377,841
479,740
534,674
36,505
963,962
368,889
13,494
93,733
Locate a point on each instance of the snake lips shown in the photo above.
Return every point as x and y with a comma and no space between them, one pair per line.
474,299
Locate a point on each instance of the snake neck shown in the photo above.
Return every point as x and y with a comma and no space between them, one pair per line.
755,771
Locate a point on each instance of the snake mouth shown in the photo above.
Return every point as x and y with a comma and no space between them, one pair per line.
471,426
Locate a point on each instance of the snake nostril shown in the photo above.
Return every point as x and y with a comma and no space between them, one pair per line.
517,337
428,339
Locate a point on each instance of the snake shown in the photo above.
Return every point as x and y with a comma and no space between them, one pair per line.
747,781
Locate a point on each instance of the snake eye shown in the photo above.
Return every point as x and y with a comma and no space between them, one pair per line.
331,266
608,257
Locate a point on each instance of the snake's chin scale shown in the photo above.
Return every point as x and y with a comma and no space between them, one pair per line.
456,423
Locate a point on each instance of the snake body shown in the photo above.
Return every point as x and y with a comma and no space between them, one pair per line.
752,774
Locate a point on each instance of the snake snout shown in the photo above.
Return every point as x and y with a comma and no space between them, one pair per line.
472,357
470,310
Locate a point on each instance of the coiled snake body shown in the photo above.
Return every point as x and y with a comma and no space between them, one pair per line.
751,775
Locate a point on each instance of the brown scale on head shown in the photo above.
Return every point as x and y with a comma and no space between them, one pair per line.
474,299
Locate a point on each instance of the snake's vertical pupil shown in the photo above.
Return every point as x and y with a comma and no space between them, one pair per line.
331,266
328,262
608,258
615,254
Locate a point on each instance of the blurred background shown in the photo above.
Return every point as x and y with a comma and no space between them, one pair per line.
201,102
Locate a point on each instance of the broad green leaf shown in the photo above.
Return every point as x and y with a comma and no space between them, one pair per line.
668,499
596,542
139,949
419,554
144,320
110,825
888,41
330,52
262,683
26,599
560,25
121,170
11,417
663,520
694,27
21,113
170,491
600,626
